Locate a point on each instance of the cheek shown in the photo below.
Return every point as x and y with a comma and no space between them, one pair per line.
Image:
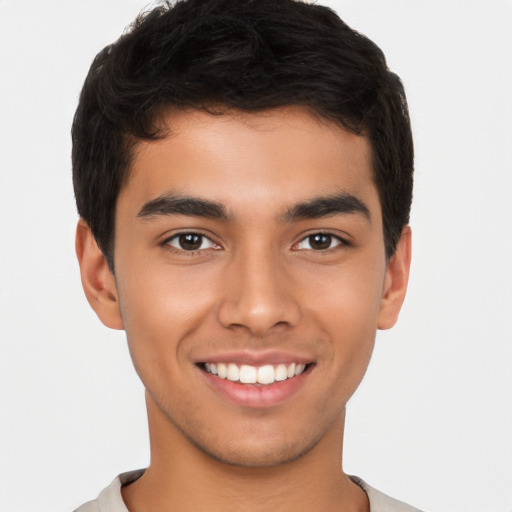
347,296
161,306
344,304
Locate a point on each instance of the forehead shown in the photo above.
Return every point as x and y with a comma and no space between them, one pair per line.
269,158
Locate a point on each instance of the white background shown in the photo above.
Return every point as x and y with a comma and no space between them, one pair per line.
431,424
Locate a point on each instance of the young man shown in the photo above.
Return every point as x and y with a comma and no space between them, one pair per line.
243,173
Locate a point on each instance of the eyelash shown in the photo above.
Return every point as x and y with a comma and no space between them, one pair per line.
340,242
167,242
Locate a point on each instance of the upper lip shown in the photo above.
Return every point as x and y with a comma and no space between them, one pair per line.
253,358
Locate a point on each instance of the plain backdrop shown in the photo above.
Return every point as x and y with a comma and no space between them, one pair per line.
432,422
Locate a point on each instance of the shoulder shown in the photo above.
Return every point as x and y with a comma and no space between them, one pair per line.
110,499
380,502
90,506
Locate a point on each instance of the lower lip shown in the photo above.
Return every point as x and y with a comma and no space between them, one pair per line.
257,396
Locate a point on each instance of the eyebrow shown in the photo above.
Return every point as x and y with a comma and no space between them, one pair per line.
327,206
174,204
318,207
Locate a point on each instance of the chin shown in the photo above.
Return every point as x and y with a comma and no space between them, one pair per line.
256,457
257,441
253,451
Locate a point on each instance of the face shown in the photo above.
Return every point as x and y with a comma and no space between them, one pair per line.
251,278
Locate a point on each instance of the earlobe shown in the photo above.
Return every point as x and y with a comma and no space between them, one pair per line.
395,283
97,280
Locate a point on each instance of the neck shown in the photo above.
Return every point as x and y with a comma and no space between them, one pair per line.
183,477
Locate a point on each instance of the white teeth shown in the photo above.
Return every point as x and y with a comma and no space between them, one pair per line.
233,372
266,374
222,370
281,372
247,374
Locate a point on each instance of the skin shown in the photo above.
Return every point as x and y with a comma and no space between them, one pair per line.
256,284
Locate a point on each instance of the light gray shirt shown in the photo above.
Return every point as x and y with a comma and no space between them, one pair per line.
111,500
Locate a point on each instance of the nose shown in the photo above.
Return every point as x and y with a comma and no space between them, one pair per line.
258,295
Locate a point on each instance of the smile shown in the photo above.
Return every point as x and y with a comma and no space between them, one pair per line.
247,374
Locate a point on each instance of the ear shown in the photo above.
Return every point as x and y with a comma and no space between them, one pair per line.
395,282
97,280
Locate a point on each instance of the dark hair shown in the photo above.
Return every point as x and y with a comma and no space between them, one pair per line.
249,55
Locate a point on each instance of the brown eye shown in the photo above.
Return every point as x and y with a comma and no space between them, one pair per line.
191,242
320,242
